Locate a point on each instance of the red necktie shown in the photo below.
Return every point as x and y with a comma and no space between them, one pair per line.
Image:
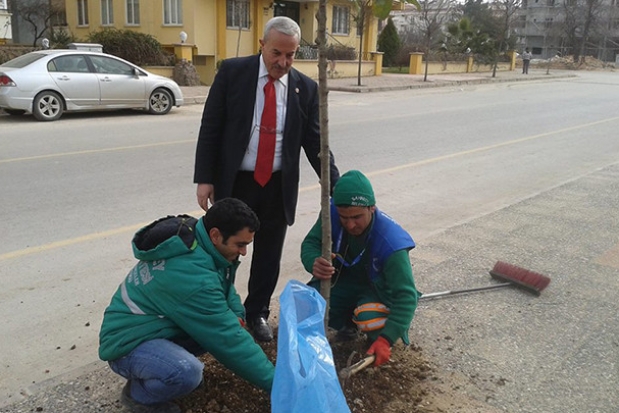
268,127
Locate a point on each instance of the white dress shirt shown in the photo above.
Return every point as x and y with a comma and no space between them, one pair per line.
281,87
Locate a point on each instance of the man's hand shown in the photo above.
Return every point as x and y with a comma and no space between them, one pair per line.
381,350
241,322
206,193
322,269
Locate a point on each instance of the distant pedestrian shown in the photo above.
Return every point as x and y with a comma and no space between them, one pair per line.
526,59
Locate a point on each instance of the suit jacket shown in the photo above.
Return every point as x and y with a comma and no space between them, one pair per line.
227,122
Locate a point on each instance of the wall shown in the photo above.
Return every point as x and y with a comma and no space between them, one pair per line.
5,27
337,69
435,68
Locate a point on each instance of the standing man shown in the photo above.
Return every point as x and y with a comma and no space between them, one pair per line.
178,302
259,113
526,59
372,286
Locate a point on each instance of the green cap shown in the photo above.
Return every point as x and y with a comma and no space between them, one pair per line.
353,189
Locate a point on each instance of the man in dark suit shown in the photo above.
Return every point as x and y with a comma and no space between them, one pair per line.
230,149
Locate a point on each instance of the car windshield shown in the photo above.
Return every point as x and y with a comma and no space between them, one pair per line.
23,60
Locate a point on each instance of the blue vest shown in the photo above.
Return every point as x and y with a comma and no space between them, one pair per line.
386,237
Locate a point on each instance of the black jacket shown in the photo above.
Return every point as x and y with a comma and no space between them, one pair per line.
227,122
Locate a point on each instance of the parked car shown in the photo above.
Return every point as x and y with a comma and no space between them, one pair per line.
48,83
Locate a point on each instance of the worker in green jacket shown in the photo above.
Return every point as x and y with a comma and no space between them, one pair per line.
372,285
178,302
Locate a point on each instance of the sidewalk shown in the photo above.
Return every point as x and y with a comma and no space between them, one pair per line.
387,82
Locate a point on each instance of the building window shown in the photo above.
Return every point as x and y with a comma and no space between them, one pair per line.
107,13
237,14
133,12
82,12
548,22
173,12
3,5
341,20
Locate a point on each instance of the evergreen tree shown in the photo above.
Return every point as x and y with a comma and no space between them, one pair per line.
389,43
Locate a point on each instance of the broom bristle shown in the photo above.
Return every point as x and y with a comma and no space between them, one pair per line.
520,277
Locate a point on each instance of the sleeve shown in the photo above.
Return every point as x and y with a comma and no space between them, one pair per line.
211,129
398,277
208,319
235,304
311,247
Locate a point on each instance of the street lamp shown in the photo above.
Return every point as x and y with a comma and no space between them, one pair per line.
183,37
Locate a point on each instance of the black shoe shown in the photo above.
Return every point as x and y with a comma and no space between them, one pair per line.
260,329
135,407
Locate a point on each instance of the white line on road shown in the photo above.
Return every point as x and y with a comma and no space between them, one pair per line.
131,228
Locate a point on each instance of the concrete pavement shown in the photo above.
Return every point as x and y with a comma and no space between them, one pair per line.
95,388
386,82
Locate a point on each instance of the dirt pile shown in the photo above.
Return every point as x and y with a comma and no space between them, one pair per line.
567,63
395,387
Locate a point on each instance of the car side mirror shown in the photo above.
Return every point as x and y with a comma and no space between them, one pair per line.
136,72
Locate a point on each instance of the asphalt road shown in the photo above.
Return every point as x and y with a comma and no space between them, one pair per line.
525,173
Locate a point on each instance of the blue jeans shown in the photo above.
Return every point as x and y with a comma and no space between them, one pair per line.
160,370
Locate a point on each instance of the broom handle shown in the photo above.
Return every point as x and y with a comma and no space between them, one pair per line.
468,290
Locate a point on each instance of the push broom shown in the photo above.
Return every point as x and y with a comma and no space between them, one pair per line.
510,276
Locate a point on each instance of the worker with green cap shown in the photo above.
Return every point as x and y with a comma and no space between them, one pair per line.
372,285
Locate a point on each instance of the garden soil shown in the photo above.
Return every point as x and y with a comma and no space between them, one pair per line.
409,383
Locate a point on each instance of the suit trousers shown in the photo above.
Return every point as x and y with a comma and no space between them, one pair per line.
268,204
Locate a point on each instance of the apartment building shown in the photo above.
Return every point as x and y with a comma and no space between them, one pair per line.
217,29
556,27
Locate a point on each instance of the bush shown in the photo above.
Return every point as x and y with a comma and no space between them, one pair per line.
10,52
138,48
61,38
389,43
340,52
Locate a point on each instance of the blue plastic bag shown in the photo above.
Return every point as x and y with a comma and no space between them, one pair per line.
305,378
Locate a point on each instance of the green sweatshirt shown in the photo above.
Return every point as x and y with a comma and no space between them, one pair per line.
182,287
395,287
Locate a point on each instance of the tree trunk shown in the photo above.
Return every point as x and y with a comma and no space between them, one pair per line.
325,177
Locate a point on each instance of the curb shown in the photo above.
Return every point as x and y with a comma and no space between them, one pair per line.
435,84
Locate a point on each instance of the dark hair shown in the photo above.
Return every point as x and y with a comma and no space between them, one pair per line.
229,216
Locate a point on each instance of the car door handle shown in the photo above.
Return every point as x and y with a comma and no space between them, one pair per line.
65,77
105,79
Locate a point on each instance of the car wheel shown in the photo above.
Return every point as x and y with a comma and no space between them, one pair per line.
48,106
14,112
160,102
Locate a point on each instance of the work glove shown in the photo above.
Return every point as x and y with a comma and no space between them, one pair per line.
381,350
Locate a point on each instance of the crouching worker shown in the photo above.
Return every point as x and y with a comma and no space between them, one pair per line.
372,286
178,302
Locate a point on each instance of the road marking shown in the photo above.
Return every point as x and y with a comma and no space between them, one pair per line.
610,258
477,150
132,228
120,148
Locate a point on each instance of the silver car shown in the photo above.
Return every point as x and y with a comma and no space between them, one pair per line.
47,83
